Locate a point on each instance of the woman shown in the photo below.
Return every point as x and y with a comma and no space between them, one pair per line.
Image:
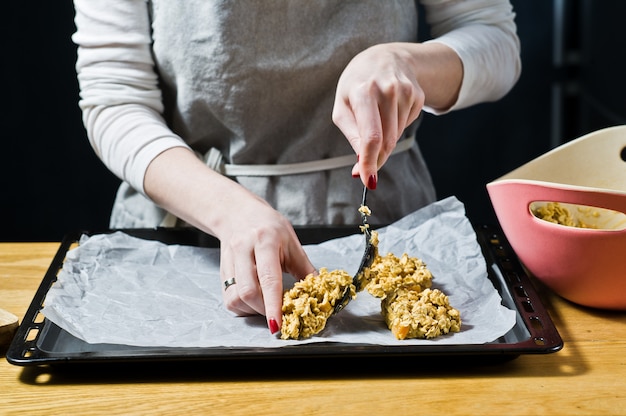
240,117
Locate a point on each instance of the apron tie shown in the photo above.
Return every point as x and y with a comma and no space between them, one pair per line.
214,159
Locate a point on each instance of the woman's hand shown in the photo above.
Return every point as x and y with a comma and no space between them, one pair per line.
257,243
257,246
383,90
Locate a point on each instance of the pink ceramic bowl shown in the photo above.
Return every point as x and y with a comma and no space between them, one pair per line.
587,176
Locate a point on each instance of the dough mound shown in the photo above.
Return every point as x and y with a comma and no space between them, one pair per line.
390,273
308,305
426,314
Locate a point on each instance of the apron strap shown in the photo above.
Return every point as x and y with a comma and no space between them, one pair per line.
214,159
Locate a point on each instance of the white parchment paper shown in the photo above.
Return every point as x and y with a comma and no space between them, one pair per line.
118,289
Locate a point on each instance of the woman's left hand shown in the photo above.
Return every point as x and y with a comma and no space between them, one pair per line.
383,90
377,98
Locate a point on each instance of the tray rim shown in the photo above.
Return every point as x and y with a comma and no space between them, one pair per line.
543,338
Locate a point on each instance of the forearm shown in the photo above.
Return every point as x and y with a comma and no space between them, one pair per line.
439,72
483,35
178,181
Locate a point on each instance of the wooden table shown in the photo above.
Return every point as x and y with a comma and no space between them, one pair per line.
587,377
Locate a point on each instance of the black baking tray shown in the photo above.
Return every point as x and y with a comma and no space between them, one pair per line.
38,341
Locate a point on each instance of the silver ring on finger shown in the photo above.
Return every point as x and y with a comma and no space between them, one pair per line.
229,282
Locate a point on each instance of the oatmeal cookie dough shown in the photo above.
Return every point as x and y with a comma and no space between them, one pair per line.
414,314
410,308
390,273
308,305
558,214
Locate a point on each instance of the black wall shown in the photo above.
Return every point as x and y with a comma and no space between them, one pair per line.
50,179
51,182
602,86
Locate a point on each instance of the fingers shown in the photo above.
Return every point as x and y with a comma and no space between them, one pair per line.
377,98
373,120
231,294
270,280
257,265
359,121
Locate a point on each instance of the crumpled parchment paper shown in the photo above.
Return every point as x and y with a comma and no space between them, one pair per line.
118,289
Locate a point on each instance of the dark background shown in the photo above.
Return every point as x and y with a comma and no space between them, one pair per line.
574,65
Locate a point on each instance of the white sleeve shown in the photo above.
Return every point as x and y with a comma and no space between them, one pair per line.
119,93
484,35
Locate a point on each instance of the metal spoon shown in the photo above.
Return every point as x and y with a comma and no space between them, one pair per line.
366,261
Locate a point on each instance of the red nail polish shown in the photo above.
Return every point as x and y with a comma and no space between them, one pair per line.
371,182
273,326
355,175
358,156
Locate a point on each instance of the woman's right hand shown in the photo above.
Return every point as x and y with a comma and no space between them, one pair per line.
257,243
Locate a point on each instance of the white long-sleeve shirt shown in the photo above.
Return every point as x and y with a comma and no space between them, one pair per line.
256,81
